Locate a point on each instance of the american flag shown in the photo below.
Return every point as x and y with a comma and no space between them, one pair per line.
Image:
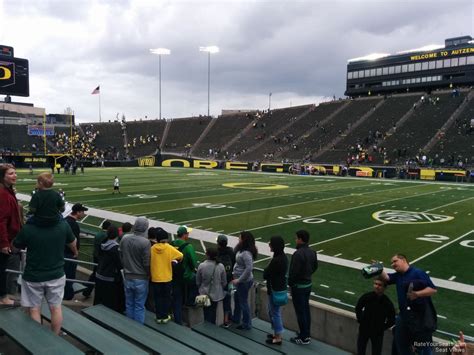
96,91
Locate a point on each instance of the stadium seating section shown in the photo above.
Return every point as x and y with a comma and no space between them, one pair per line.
375,130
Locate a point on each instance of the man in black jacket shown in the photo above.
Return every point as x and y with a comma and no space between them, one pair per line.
304,263
375,313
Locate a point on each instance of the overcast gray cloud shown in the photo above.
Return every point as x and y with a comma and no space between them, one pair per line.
298,50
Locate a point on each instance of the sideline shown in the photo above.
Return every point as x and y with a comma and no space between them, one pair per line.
263,247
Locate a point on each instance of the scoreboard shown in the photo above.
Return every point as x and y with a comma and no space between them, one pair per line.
14,73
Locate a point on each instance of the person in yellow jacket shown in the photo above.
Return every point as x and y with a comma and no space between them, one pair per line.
161,271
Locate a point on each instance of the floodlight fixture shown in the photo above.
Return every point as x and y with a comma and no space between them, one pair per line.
159,52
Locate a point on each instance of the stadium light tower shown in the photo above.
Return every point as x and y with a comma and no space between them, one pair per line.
160,52
209,50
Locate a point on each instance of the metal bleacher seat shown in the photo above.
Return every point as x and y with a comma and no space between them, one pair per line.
189,338
91,334
136,332
236,341
316,347
32,336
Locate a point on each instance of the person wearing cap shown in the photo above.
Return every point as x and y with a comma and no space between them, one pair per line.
78,212
162,257
226,256
185,290
135,255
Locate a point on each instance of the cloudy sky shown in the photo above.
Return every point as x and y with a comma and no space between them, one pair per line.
295,49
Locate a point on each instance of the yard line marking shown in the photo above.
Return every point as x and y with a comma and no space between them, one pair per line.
254,199
442,247
335,222
428,271
337,255
449,204
376,226
347,234
197,227
208,229
442,317
220,231
357,259
349,292
472,324
451,278
299,203
264,259
320,251
325,286
202,245
286,244
258,238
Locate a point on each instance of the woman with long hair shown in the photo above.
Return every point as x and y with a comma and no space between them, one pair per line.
10,224
275,274
246,253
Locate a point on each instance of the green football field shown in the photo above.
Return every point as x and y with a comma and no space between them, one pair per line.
349,220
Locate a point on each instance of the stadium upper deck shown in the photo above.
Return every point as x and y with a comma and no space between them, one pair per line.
416,70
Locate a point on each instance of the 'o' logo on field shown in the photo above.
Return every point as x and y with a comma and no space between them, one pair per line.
254,186
407,217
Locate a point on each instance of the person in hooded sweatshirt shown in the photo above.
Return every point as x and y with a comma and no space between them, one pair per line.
135,255
109,286
162,257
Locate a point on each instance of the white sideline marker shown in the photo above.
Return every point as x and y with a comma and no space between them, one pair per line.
320,251
258,238
336,222
357,259
428,271
337,255
349,292
442,317
472,324
325,286
451,278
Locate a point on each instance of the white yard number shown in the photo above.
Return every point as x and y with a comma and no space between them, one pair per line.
434,238
144,196
289,217
467,243
292,217
211,206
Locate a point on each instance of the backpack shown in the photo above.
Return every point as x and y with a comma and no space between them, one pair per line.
226,260
178,267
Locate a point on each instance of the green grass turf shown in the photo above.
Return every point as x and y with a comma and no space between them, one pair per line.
337,212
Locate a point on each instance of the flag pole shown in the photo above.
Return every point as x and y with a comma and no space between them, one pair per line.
100,115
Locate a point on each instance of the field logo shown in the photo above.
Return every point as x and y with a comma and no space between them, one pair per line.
146,161
254,186
407,217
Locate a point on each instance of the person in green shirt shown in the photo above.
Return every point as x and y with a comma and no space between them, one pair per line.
46,204
184,288
43,276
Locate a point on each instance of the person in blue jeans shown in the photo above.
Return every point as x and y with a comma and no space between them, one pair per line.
414,291
304,263
135,254
275,275
246,252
